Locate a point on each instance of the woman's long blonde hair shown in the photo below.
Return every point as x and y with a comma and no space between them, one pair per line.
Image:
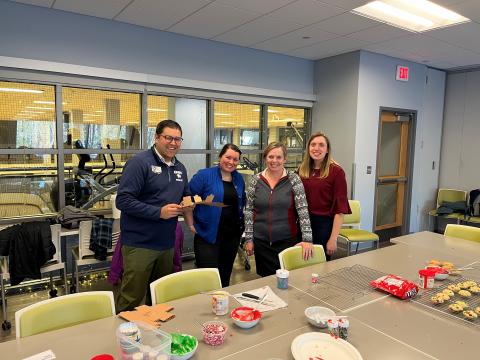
306,167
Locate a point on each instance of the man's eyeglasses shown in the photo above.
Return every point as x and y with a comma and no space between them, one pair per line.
170,139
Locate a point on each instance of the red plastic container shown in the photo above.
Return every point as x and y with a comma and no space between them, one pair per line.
426,278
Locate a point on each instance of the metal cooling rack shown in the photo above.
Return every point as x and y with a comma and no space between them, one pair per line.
347,287
442,309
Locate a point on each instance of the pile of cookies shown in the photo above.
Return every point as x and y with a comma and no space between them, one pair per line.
465,289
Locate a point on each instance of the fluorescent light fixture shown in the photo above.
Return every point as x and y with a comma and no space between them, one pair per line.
156,110
269,110
227,122
411,15
47,102
222,114
32,112
39,107
31,91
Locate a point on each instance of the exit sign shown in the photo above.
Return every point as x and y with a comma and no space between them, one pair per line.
402,73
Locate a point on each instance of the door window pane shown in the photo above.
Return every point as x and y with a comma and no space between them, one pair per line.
97,118
191,114
386,204
286,125
236,123
27,116
390,149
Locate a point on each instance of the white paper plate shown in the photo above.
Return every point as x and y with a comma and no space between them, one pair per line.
324,346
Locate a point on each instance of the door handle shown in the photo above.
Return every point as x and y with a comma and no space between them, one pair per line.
392,180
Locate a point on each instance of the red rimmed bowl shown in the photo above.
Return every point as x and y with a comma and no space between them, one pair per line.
245,317
440,273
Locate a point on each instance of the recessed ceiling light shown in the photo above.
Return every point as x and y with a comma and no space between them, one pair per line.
269,110
39,107
222,114
156,110
31,91
412,15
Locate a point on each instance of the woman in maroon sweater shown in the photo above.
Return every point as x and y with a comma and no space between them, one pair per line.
326,190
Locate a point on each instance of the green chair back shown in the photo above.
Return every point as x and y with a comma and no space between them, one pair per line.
355,216
463,232
291,258
64,311
450,195
184,283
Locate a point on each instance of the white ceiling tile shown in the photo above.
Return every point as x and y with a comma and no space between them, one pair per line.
44,3
328,48
434,50
346,23
379,33
465,35
258,30
295,39
439,64
307,12
400,54
258,6
469,9
346,4
213,20
405,55
447,2
159,14
100,8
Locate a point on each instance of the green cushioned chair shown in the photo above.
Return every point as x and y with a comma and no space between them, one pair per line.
351,232
473,219
463,232
184,283
64,311
449,196
291,258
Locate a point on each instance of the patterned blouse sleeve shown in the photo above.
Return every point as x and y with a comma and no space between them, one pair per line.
249,208
340,199
301,206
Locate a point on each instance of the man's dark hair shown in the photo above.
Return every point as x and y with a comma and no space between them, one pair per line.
168,123
231,147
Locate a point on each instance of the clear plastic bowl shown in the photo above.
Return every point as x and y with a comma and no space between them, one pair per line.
214,332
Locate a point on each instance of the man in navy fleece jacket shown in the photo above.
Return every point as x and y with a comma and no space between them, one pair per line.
152,187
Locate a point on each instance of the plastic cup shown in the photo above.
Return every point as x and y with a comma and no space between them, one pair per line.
282,278
220,303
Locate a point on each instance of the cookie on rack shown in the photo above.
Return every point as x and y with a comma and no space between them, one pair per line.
474,289
465,293
463,304
455,307
477,310
470,314
439,298
448,292
454,288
